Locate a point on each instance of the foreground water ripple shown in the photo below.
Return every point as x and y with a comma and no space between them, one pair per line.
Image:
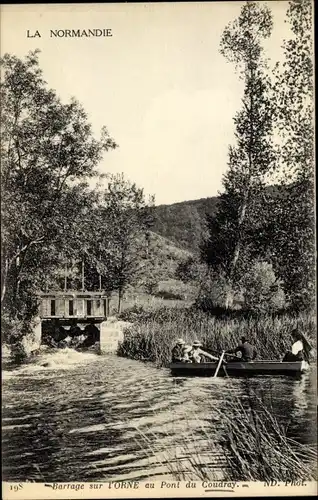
94,418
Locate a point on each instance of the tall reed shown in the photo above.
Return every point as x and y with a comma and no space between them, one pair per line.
249,444
259,448
153,334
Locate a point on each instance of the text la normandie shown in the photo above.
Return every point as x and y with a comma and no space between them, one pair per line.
79,33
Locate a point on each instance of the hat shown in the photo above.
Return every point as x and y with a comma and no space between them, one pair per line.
196,343
296,334
180,341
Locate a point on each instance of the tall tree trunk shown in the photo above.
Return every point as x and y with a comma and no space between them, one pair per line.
4,276
228,299
120,299
83,276
65,278
147,243
15,281
238,245
248,187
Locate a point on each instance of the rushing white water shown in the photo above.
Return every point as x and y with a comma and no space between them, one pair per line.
51,360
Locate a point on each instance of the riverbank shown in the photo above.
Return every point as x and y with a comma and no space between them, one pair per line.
154,332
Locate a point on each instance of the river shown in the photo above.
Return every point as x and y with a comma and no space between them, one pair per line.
85,417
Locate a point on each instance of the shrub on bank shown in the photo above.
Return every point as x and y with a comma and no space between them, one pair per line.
13,331
175,290
263,292
257,291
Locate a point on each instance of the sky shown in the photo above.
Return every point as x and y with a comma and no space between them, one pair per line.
159,83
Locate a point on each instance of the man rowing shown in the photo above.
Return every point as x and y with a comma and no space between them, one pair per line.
182,353
247,351
197,354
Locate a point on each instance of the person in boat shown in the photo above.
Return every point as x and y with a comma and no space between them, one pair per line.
180,352
186,353
246,350
300,349
197,354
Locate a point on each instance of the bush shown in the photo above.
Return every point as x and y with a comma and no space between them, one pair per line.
135,313
175,290
190,270
13,332
262,291
13,329
215,293
18,353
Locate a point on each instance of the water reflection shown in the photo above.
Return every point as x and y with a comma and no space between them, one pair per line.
97,418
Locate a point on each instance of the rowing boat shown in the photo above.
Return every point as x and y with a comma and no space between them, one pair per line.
240,368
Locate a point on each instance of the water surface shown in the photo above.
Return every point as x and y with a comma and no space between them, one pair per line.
85,417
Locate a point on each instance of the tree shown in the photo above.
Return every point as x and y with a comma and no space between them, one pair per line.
122,223
190,269
47,154
152,266
292,214
230,241
261,290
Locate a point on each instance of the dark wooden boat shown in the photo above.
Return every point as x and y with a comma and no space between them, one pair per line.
240,368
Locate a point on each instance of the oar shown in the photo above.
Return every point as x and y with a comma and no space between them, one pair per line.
219,364
232,355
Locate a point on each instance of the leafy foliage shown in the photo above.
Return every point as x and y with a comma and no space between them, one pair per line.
190,269
215,292
123,237
47,153
291,217
262,291
232,231
253,223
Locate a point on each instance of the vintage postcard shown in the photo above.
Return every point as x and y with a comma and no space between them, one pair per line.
158,250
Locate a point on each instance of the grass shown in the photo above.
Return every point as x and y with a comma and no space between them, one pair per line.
154,332
250,445
144,301
259,448
168,293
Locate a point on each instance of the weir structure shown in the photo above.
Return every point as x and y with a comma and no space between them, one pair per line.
78,319
73,317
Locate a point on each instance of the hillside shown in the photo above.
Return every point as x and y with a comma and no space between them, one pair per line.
158,285
163,260
183,223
